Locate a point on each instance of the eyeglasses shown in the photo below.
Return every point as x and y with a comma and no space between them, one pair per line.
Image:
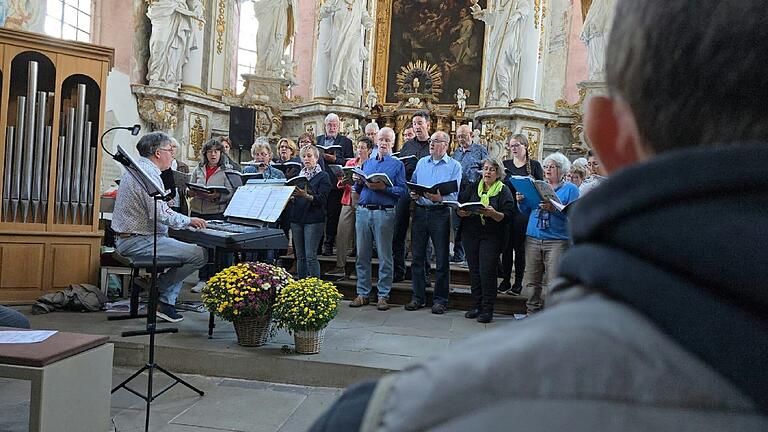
431,141
169,149
515,145
551,167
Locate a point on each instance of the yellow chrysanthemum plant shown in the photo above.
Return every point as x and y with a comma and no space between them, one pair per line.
307,304
245,290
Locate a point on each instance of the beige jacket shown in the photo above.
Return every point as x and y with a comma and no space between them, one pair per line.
219,178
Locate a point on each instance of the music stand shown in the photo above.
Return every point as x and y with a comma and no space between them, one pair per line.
157,192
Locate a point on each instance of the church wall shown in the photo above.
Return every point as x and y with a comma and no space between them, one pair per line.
577,54
115,28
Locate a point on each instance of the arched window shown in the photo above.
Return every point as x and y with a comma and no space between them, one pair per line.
246,47
69,19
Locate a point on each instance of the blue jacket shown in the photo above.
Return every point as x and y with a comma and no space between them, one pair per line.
545,225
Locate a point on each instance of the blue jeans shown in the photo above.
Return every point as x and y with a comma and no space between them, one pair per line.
168,283
374,227
431,223
306,239
12,318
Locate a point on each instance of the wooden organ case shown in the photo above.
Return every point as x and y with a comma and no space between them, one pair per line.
52,98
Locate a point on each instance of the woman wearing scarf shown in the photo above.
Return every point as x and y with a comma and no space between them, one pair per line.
547,233
307,213
484,235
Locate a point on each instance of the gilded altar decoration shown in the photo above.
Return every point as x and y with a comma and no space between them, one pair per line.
221,26
577,127
534,139
421,80
198,133
160,113
434,32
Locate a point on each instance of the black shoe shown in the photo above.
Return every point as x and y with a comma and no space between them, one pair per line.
398,278
516,289
428,284
439,308
168,313
414,305
472,313
504,286
485,317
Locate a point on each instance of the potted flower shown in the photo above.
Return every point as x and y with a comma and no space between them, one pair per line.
304,308
244,294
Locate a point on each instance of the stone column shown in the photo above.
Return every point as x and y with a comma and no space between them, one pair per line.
192,74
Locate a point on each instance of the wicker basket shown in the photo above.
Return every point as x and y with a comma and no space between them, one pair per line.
252,331
308,341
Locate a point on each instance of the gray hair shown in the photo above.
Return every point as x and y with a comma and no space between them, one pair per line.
309,148
151,142
682,90
580,163
331,117
560,160
444,136
496,164
386,130
372,126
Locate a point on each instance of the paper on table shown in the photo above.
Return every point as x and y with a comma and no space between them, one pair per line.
24,337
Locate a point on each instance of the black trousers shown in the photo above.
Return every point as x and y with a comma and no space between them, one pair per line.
402,220
333,208
431,223
482,250
514,252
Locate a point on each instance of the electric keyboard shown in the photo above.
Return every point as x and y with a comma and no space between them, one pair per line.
245,238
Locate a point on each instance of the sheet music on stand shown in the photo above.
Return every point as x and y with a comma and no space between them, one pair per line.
260,201
152,188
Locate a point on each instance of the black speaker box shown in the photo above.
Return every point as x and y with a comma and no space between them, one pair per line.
242,123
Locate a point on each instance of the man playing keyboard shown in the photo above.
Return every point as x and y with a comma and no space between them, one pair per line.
132,222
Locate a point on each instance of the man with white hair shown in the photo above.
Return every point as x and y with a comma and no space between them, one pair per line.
336,156
375,220
371,131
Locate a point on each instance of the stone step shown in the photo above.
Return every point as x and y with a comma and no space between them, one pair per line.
459,274
459,298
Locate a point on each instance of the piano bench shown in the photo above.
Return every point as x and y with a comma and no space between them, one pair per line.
137,263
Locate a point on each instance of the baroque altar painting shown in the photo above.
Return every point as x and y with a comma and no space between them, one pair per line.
440,32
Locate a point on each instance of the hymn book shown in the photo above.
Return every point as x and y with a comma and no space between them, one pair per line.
198,187
371,178
535,191
300,181
445,188
473,207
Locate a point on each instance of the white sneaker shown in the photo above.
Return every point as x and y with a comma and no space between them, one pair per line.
198,288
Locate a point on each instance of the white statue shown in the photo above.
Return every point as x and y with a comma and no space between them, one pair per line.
476,136
277,26
289,72
345,48
507,27
170,43
373,98
594,34
413,102
461,99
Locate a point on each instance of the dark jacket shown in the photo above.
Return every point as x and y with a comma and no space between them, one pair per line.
416,148
306,211
691,252
472,225
346,152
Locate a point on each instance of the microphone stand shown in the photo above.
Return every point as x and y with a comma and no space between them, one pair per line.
157,193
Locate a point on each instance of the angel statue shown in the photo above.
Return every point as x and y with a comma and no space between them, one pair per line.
461,99
373,98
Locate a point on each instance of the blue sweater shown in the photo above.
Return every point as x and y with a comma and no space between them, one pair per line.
395,170
544,225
